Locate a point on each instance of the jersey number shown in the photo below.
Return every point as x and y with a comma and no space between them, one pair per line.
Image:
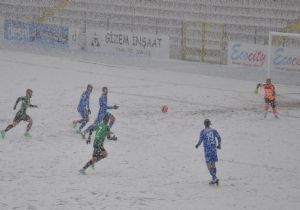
210,137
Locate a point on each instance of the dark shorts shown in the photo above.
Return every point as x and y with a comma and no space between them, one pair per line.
271,102
21,117
99,153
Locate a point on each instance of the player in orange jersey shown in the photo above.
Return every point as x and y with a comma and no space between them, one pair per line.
270,96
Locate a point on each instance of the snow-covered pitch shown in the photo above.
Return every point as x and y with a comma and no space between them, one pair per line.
154,164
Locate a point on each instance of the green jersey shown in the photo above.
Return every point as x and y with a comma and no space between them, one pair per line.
102,130
25,102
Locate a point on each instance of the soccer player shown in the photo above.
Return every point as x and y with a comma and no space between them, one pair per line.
102,112
21,114
102,131
84,108
208,136
270,96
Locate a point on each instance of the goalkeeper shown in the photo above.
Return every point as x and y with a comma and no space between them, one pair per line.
269,96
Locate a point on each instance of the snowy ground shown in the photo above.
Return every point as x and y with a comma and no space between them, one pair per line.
154,164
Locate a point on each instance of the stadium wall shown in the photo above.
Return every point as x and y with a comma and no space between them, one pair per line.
193,30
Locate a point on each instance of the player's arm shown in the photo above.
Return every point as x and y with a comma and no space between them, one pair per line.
18,100
33,106
217,135
103,103
90,135
200,139
257,87
88,104
274,92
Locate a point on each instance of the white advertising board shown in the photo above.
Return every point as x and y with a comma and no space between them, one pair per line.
251,55
128,43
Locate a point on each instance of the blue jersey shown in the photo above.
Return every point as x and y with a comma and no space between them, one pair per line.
84,102
103,105
209,136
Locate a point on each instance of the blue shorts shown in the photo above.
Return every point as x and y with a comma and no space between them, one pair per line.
211,156
83,113
100,117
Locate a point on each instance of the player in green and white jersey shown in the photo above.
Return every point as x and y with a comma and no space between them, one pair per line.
102,132
21,114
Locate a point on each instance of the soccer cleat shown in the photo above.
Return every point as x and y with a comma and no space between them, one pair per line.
93,166
214,181
2,133
82,171
265,114
276,116
27,135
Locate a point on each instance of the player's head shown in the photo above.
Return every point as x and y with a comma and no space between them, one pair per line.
268,80
29,93
106,119
207,123
104,90
89,88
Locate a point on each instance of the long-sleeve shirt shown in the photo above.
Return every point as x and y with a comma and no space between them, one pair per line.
103,105
208,136
84,102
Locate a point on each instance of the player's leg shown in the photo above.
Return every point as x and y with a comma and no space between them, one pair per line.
29,125
267,105
98,155
274,110
212,169
85,118
16,121
89,130
97,121
211,158
112,119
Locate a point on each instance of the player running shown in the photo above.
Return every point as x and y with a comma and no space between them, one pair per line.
208,136
270,96
84,108
102,112
102,131
21,114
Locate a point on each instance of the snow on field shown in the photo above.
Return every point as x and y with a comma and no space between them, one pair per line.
154,164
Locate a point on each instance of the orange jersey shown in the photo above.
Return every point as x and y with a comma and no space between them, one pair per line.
269,91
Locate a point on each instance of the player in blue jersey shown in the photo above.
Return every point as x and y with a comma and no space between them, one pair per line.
102,112
208,136
84,108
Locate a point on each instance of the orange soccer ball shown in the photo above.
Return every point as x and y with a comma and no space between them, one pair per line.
164,108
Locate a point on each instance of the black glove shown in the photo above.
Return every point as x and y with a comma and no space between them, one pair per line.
14,107
219,146
89,111
196,146
116,107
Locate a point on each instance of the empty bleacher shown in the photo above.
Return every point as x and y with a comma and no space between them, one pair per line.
243,20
